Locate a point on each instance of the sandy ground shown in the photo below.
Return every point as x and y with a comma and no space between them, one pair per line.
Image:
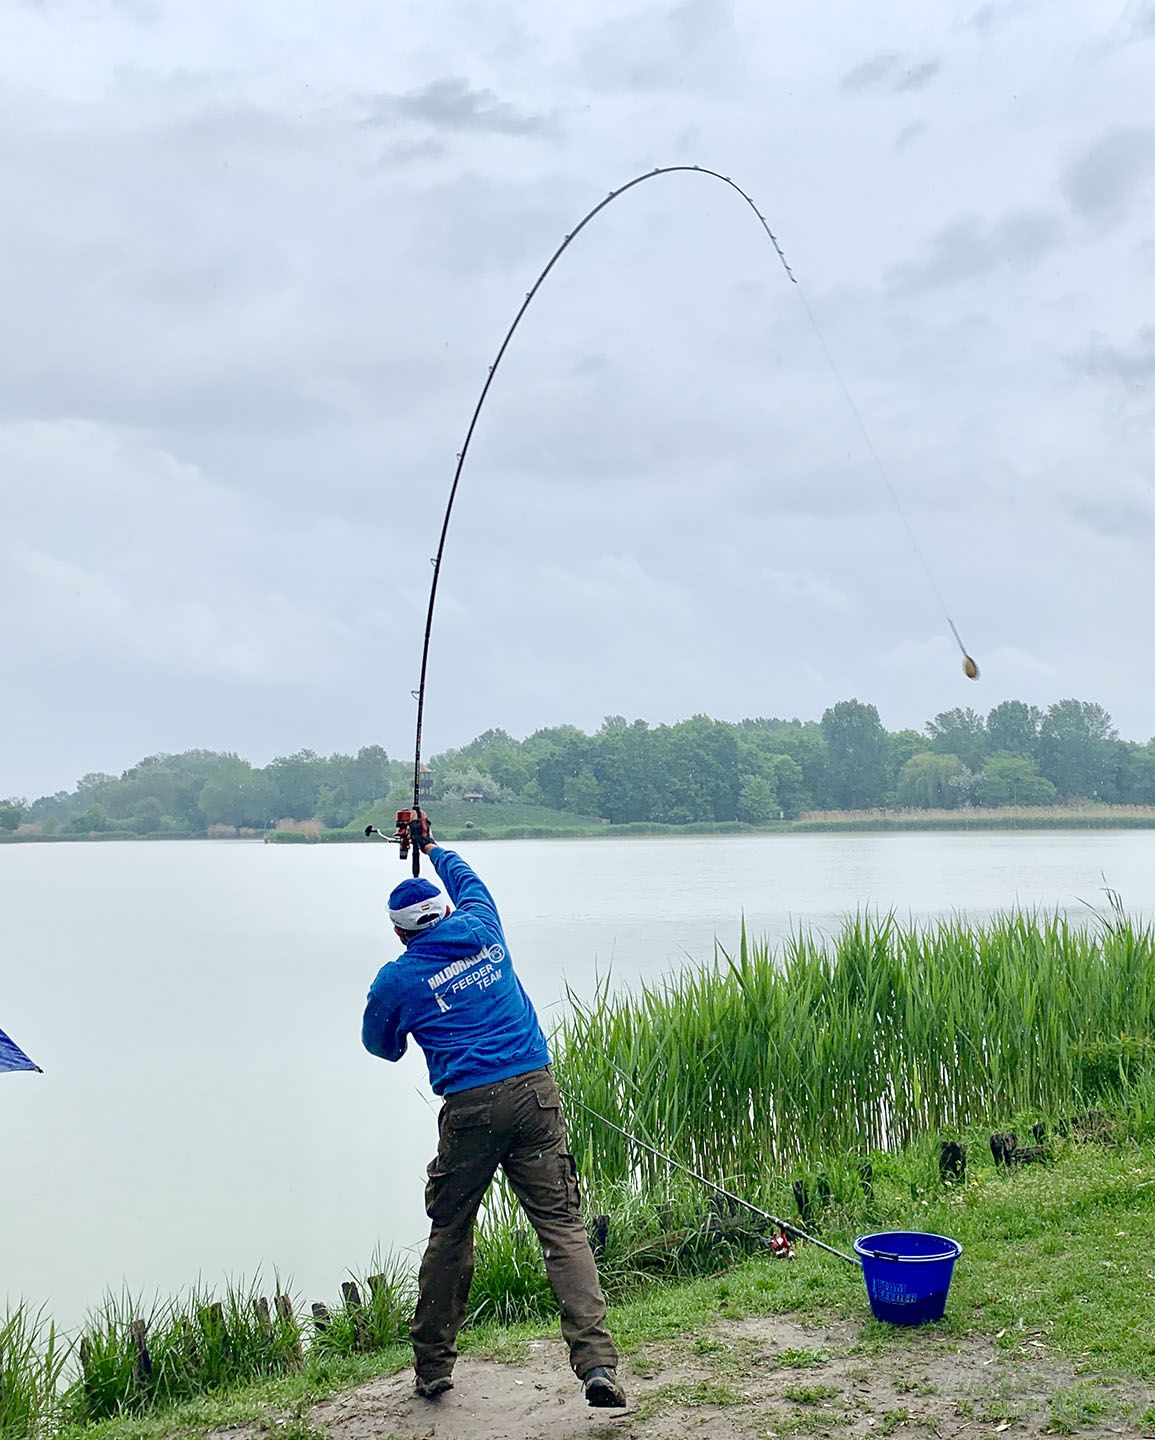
765,1377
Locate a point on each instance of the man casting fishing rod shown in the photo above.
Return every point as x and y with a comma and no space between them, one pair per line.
454,990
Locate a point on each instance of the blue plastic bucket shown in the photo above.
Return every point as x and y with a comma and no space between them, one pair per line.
907,1274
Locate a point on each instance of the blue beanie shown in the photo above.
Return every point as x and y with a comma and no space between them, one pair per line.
416,904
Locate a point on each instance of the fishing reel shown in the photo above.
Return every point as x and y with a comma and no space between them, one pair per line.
411,834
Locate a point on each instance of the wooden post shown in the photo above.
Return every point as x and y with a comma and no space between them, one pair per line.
142,1366
264,1319
321,1316
289,1323
601,1234
1003,1146
952,1162
354,1307
85,1366
805,1204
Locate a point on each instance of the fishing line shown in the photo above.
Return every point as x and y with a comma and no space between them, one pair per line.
969,666
711,1184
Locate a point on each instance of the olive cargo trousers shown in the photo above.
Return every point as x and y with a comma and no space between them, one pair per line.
516,1124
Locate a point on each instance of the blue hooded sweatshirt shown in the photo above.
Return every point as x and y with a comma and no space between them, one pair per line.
455,992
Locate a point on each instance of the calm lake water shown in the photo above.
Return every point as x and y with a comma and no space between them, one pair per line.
206,1107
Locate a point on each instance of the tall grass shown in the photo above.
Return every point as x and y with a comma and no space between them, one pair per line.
886,1034
31,1364
386,1292
672,1232
194,1343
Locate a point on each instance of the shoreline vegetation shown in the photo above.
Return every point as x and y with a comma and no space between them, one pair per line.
490,825
823,1080
495,821
1018,767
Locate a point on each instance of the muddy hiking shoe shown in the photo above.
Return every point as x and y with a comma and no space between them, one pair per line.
431,1389
602,1388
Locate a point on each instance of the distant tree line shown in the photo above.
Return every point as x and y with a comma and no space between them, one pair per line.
762,769
190,793
757,771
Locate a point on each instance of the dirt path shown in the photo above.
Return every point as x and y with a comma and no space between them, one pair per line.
758,1378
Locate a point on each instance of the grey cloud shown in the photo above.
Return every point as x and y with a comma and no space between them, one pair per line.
917,77
990,16
984,18
690,45
246,330
1102,183
1110,517
1139,20
970,248
138,10
890,72
412,152
1122,502
209,274
908,133
1133,364
451,104
871,74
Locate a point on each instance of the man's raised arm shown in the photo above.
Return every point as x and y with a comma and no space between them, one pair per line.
463,886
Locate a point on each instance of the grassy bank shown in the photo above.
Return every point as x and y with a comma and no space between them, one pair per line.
836,1066
1056,1254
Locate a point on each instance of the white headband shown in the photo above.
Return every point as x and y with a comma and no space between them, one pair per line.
420,916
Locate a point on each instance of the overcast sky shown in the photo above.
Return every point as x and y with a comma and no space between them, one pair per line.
256,256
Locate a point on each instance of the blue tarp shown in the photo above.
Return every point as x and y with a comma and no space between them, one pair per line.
12,1057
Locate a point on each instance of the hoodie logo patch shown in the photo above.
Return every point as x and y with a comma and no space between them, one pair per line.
493,953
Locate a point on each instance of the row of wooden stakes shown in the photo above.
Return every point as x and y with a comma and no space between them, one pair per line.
212,1319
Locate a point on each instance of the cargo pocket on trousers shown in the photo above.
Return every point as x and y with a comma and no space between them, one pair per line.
548,1121
569,1183
466,1136
438,1199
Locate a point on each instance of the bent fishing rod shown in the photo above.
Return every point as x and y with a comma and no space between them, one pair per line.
410,823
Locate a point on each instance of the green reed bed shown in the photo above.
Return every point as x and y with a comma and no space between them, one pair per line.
31,1364
133,1357
886,1033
